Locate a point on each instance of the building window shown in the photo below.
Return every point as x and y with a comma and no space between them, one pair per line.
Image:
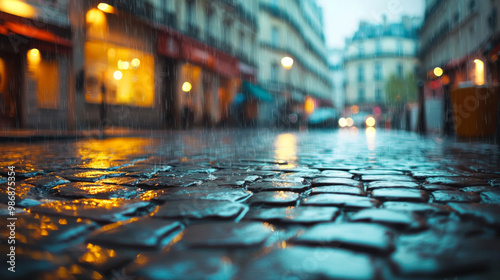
226,32
361,49
472,5
399,47
378,94
242,42
361,94
378,71
275,36
208,23
274,71
190,10
47,86
399,70
378,47
361,73
127,74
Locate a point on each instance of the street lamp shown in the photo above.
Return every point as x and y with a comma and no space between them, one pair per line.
287,62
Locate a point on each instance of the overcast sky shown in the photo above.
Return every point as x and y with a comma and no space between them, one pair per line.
341,17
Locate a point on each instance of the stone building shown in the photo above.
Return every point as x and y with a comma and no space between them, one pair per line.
373,54
143,63
292,28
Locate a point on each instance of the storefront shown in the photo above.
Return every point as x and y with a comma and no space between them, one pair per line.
206,83
34,73
119,73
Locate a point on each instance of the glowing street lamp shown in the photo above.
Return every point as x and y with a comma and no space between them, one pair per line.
287,62
438,71
106,8
186,87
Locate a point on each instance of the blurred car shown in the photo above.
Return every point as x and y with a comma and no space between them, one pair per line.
359,119
323,118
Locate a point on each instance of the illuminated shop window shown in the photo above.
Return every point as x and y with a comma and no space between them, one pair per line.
127,74
45,72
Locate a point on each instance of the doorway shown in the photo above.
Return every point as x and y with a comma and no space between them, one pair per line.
10,90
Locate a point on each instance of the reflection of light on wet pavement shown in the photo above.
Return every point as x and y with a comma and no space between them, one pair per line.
370,138
286,149
103,154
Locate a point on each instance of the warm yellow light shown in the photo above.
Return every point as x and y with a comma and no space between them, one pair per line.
438,71
342,122
105,8
34,56
135,63
287,62
117,75
309,105
355,109
286,148
370,121
125,65
95,16
18,8
479,71
370,131
349,122
186,87
111,53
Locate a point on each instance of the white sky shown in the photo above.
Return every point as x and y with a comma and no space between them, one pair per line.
341,17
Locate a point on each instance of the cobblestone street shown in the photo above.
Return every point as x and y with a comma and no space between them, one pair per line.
253,204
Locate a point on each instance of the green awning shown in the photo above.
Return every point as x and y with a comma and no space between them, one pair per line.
256,92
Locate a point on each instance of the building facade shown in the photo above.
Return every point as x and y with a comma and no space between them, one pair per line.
146,63
374,54
336,65
462,38
35,64
292,29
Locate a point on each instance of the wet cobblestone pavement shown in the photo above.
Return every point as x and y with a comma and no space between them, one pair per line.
255,204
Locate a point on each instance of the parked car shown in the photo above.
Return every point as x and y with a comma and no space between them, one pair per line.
323,118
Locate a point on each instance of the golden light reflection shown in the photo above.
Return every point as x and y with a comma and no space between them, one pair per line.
106,153
97,255
18,8
370,137
286,149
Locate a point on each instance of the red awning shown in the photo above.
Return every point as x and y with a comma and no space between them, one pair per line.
174,44
35,33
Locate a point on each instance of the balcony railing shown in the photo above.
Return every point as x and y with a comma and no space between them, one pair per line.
380,55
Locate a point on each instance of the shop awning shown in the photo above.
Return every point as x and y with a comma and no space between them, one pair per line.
35,33
257,92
